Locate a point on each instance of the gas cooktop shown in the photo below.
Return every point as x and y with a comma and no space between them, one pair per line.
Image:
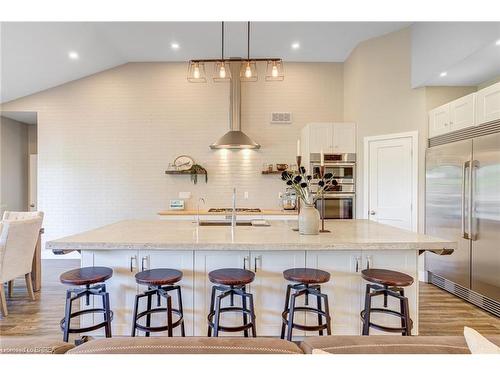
229,210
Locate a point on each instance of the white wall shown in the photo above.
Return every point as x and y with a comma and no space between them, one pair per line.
13,165
105,141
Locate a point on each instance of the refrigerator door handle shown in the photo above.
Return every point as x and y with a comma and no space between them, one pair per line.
465,176
472,202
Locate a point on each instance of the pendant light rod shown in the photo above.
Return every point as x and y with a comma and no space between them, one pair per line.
248,40
222,57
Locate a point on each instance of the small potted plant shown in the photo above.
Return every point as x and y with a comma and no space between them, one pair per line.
309,217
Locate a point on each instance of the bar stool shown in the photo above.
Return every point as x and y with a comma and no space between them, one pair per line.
304,277
230,282
88,276
160,282
389,284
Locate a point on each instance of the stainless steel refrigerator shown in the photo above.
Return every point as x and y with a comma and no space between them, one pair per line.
463,204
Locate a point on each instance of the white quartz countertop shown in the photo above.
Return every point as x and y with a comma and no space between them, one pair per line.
182,235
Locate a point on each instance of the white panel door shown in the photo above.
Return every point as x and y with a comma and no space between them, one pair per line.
121,286
204,262
269,288
179,260
488,104
343,289
33,178
344,138
439,121
405,261
321,137
390,182
462,112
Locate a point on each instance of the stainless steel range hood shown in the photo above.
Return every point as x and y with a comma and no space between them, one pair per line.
235,138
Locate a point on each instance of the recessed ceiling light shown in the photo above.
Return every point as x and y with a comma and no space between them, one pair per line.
295,45
73,55
443,74
174,45
497,42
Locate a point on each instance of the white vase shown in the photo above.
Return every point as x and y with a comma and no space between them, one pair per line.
308,219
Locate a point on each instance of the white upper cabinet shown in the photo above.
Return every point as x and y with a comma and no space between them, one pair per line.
488,104
462,112
458,114
344,138
330,137
439,120
321,137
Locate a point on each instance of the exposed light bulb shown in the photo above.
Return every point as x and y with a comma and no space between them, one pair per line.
248,71
222,72
274,72
73,55
443,74
196,71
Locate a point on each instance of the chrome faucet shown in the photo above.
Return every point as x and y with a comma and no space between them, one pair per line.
233,213
198,210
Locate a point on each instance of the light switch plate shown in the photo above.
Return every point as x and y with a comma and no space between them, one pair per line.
184,194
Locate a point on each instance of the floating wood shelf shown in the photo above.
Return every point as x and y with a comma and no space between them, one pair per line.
272,172
188,171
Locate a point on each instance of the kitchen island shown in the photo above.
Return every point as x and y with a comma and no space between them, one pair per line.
352,245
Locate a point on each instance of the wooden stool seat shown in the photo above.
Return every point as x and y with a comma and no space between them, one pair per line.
306,275
86,275
386,277
231,276
158,276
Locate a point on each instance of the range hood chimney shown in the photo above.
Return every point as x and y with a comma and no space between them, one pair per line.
235,138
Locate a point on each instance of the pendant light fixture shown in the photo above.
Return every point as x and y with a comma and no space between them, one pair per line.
222,71
248,70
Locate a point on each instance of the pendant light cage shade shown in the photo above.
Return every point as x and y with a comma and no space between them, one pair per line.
222,71
248,71
196,72
274,70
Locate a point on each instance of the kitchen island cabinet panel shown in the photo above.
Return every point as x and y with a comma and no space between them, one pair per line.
121,287
179,260
204,263
269,288
343,289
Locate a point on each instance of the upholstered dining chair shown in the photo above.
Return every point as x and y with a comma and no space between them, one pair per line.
18,237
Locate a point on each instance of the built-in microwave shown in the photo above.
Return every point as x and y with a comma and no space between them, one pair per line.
342,166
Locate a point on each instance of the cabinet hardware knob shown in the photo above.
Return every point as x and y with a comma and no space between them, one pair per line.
372,212
357,263
142,263
255,262
245,259
368,262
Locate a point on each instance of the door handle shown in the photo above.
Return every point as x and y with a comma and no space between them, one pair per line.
372,212
466,165
472,202
358,258
368,261
132,260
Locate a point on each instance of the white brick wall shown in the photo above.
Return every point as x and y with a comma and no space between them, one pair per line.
104,141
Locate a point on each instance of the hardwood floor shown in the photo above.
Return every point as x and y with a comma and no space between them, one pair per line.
441,313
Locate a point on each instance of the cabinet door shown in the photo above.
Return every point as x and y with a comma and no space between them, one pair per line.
204,262
405,261
343,289
462,112
488,104
439,121
269,288
320,137
344,138
179,260
121,286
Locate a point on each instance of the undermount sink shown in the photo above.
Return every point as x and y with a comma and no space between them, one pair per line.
215,223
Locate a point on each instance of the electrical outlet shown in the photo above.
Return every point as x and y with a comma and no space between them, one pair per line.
246,195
